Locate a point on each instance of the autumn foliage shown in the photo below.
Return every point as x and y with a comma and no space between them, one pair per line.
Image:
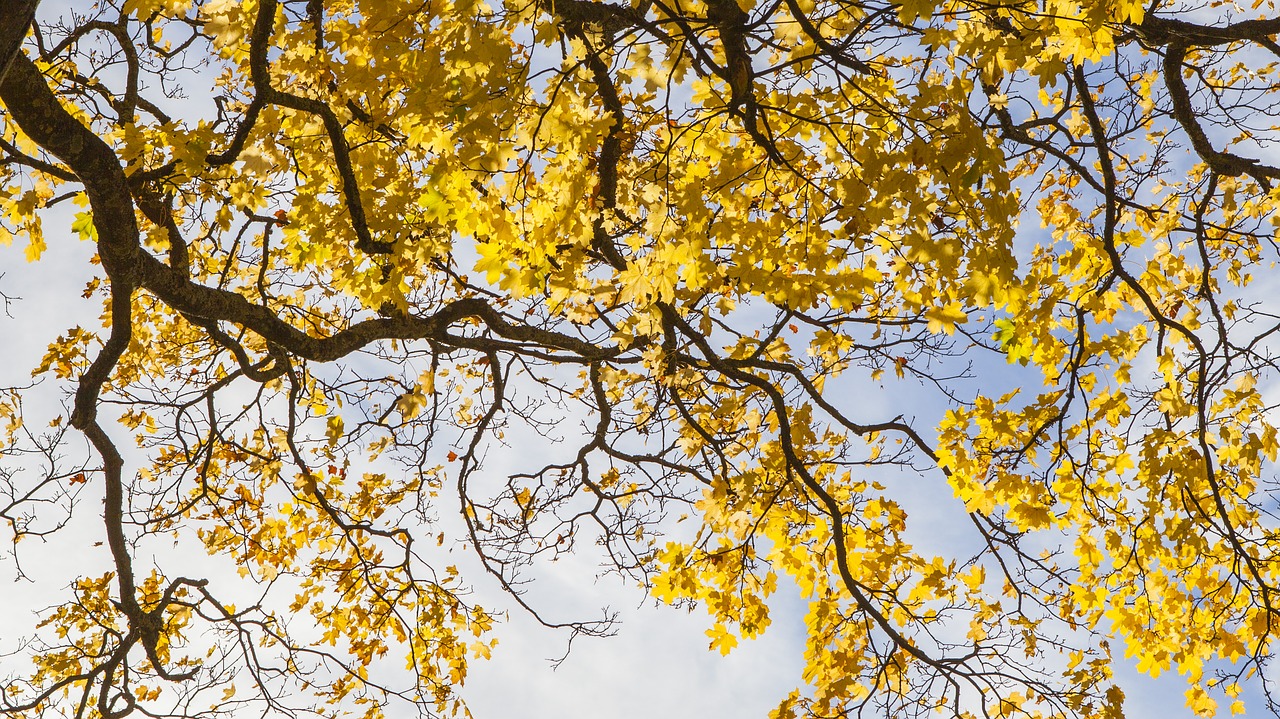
788,268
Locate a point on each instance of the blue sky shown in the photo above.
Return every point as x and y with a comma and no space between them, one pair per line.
657,665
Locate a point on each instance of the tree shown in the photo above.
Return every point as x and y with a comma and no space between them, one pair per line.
349,251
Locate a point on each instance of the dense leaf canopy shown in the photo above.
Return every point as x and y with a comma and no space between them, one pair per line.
776,265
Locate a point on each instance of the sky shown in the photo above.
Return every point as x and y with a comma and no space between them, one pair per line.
657,665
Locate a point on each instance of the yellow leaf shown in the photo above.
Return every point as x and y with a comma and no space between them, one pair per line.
35,247
945,319
721,639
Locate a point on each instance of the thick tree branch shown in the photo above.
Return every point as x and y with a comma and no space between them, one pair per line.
17,21
1223,163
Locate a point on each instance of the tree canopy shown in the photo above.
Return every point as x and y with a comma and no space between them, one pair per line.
777,268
